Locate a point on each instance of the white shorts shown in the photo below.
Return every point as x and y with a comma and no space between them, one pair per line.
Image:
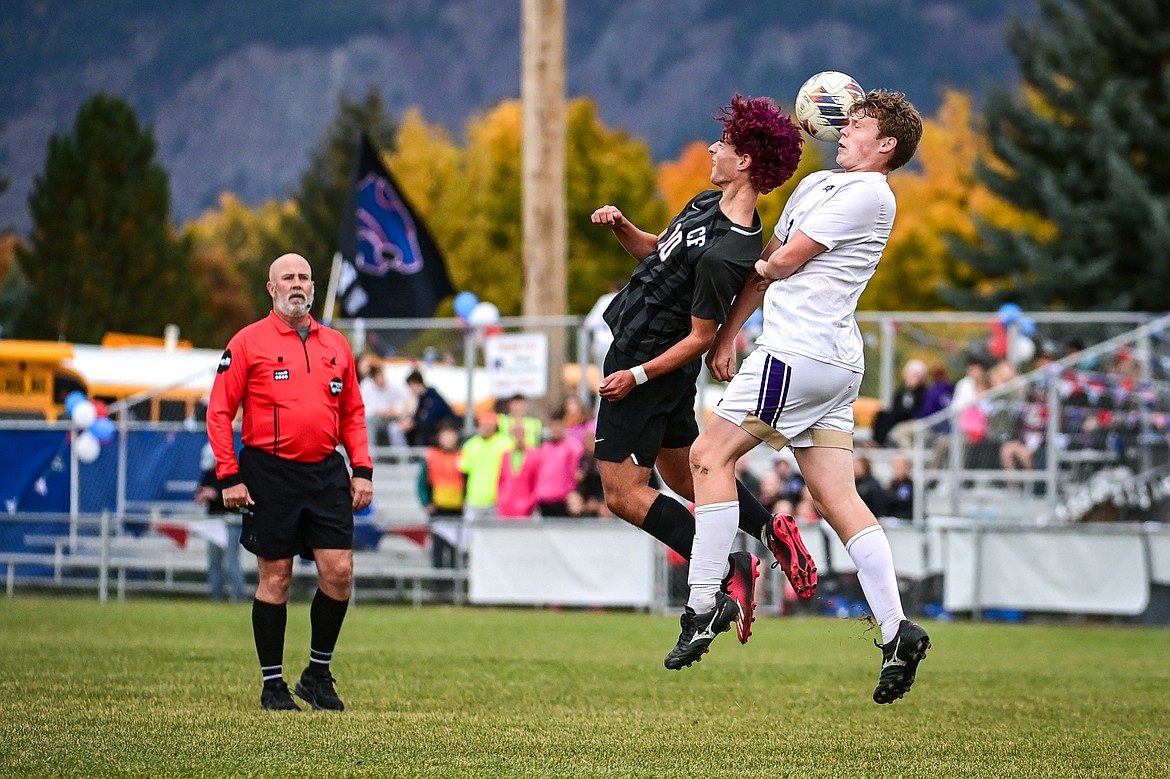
792,400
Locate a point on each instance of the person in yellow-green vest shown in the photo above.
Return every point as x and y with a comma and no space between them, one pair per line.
481,461
516,408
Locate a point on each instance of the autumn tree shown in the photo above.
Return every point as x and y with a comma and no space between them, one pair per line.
103,256
470,199
13,286
14,289
604,165
325,189
1084,146
941,203
233,246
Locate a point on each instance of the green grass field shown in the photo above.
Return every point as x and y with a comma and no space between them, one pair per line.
170,688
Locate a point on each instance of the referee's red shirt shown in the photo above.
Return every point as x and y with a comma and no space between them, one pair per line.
300,399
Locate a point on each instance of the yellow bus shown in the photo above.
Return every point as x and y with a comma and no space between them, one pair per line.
167,381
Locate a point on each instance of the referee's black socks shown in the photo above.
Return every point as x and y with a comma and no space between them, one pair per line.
325,617
268,622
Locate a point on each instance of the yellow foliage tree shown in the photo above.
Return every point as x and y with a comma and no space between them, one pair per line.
233,246
471,199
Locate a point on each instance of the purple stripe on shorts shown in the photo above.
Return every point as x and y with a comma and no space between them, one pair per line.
786,381
763,386
773,390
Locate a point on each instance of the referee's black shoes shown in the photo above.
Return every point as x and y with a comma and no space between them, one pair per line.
275,697
316,687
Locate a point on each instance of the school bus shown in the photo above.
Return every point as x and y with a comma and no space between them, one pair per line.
166,380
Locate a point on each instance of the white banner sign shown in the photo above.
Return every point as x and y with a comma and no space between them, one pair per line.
565,562
517,364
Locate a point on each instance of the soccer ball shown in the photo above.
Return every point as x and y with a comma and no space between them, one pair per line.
822,104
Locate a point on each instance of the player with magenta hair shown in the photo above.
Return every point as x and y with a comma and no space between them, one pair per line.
663,320
798,387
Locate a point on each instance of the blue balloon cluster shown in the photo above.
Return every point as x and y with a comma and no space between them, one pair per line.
72,399
465,303
1008,314
103,429
1011,314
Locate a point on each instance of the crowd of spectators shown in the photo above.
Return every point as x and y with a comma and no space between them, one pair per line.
518,466
1110,406
782,490
514,466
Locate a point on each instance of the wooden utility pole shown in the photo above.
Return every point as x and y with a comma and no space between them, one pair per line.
542,91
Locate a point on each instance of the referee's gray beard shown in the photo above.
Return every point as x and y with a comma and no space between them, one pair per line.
294,309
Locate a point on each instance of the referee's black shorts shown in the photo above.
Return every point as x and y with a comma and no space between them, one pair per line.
299,506
659,414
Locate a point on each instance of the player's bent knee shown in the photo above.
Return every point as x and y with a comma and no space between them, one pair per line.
618,504
705,459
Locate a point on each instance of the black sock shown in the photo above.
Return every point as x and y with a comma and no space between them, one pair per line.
268,621
752,514
325,616
671,523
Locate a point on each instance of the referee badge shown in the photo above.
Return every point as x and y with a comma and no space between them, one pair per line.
225,361
335,387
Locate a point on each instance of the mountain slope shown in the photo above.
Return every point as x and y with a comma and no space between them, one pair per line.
238,93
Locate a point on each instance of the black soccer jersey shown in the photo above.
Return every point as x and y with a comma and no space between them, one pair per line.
699,266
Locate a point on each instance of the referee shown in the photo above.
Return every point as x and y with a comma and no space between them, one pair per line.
299,390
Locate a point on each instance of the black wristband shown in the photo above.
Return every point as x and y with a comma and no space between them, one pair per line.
230,480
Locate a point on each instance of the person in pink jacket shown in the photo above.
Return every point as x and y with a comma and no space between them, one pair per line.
558,460
516,493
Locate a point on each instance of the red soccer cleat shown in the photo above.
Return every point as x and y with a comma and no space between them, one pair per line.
784,541
740,584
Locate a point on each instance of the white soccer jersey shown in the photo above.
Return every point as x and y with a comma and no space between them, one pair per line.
811,312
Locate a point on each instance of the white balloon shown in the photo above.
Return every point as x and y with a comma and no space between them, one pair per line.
86,447
484,315
84,414
1022,350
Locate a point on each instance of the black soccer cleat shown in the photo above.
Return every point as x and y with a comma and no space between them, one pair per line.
699,630
275,697
317,690
900,659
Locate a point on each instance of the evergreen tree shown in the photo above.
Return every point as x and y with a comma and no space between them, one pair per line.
1085,148
103,256
326,187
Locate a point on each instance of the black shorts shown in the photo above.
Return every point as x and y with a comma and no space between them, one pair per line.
299,506
659,414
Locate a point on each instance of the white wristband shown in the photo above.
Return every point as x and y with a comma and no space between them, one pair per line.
640,376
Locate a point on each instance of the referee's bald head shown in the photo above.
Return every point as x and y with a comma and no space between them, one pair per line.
284,261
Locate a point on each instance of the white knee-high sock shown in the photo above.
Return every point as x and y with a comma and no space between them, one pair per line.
715,527
870,550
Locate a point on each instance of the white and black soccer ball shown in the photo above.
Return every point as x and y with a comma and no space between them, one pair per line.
822,104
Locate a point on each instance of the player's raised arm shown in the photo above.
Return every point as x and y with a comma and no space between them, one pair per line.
637,242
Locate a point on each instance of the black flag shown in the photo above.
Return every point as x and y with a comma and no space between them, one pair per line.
391,266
